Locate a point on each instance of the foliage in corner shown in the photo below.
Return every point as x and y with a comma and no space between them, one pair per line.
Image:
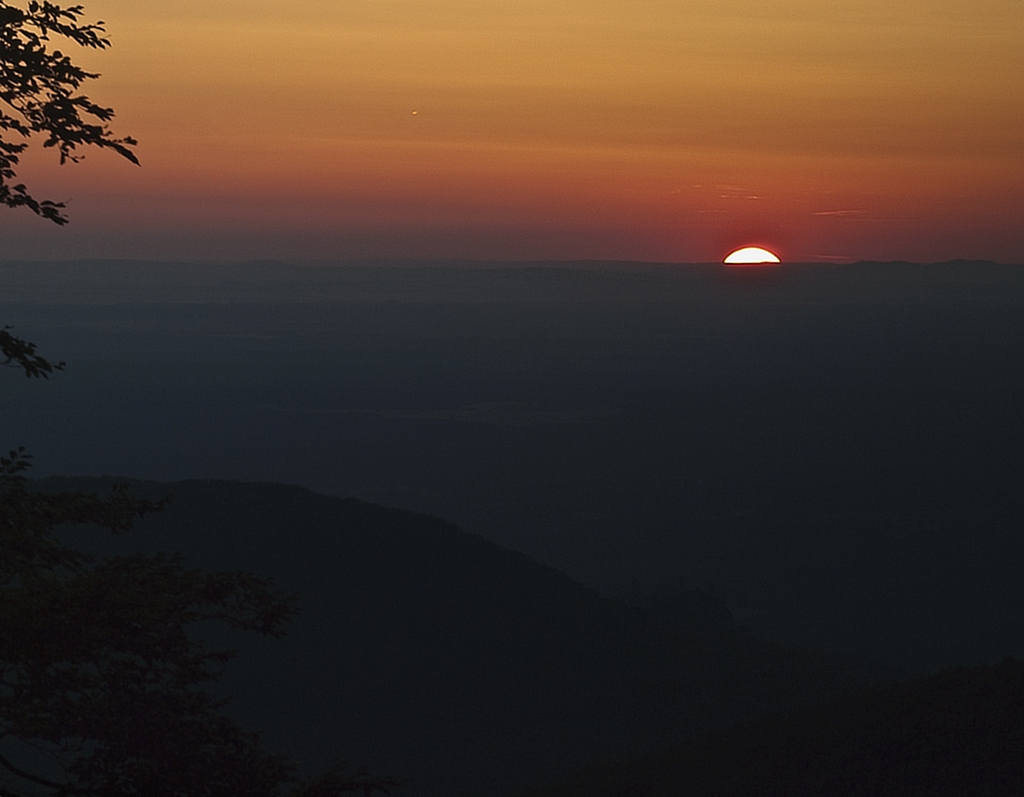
102,673
39,94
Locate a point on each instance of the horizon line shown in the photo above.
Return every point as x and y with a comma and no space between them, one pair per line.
424,262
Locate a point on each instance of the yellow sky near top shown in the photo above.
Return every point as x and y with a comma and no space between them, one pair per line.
872,77
528,104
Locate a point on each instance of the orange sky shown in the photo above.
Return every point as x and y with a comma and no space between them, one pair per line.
648,129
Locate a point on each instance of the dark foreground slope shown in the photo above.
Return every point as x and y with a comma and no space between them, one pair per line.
959,732
444,660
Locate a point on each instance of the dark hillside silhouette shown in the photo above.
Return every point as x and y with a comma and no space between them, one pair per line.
955,734
450,663
105,666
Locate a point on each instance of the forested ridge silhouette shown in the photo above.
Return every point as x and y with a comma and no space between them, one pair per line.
451,663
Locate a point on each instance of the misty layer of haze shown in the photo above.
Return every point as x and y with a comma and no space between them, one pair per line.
835,451
828,457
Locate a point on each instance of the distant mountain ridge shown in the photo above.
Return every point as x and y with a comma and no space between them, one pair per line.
439,658
465,281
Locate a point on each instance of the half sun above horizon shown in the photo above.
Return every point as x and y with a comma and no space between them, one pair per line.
751,256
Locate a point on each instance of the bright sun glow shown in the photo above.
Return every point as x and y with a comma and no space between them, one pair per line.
750,256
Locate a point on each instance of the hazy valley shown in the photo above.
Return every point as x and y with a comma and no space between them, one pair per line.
821,457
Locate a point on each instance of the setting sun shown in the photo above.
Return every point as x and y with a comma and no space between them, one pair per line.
750,256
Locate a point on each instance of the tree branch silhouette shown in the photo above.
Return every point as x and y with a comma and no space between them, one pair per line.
18,353
39,95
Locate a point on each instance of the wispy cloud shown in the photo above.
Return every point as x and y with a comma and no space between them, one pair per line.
737,192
